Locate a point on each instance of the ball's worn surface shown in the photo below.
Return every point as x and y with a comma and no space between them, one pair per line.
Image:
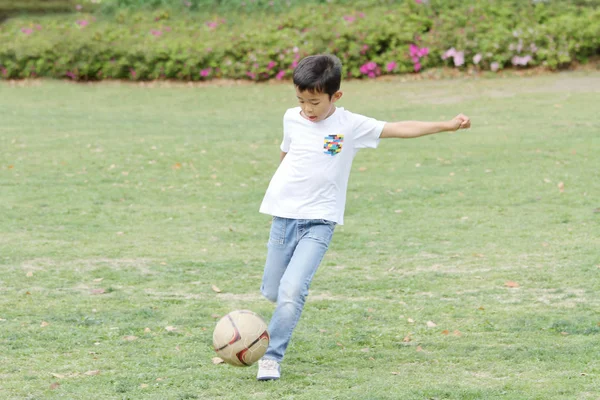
241,338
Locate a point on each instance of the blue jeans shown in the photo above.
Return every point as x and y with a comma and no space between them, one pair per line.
295,250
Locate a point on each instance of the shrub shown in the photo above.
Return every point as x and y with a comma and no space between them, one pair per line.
403,37
10,7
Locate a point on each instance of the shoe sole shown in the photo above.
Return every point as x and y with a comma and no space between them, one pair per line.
267,378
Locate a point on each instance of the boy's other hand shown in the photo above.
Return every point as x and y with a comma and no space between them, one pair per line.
461,121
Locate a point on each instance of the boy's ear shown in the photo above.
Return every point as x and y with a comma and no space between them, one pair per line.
336,96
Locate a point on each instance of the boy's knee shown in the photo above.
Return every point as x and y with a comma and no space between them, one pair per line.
271,296
291,291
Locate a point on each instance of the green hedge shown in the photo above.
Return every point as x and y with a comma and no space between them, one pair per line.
36,6
11,7
404,37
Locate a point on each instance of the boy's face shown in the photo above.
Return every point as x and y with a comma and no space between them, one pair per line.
316,106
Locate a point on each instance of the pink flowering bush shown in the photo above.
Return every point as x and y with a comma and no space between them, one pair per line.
370,69
205,73
416,54
410,37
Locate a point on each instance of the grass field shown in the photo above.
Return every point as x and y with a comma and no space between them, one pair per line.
121,205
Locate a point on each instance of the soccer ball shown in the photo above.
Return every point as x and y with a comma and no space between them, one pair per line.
241,338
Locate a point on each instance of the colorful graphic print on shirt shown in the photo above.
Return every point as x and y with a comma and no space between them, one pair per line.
333,144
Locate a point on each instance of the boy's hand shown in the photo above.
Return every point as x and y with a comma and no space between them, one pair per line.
461,121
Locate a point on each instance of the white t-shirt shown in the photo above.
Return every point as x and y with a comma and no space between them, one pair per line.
312,179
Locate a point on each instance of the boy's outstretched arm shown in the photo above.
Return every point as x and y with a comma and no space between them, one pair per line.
413,129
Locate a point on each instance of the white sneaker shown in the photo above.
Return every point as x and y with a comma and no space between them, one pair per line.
268,370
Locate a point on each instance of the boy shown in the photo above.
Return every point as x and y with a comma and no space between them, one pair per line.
307,194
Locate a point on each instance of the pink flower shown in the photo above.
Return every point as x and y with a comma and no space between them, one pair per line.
78,7
156,32
449,53
520,46
364,49
370,69
419,1
205,72
280,75
523,61
168,28
390,66
83,23
251,75
361,14
212,24
133,73
70,75
477,58
294,64
349,18
494,66
533,48
4,71
38,27
271,65
27,31
416,54
459,58
414,50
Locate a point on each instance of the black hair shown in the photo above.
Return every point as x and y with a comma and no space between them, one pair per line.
320,73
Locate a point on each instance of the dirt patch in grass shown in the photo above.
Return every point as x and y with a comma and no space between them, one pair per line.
37,264
177,295
255,296
567,298
42,264
467,268
141,264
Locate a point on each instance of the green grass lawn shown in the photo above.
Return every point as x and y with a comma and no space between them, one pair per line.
121,205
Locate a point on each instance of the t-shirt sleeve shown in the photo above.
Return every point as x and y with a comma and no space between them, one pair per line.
285,144
366,131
